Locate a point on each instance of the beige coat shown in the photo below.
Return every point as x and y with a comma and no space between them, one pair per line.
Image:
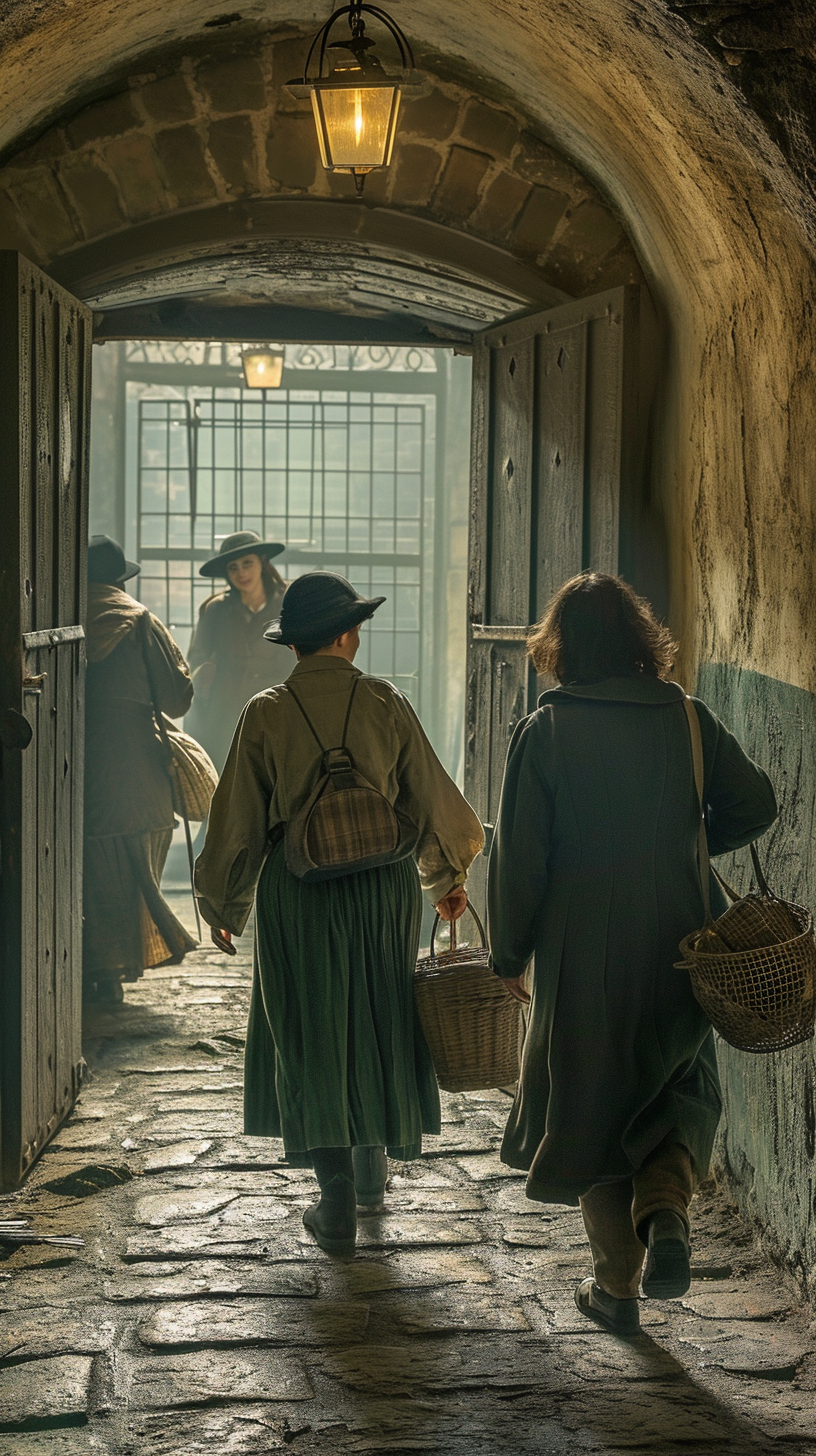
274,763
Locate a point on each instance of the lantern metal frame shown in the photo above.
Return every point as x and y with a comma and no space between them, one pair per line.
254,351
368,75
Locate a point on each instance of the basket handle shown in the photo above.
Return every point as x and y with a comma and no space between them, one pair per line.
764,887
452,947
702,840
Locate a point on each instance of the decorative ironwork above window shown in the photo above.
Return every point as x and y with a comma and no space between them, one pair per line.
353,358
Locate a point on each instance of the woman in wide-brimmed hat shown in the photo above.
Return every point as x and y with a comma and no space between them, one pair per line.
336,1062
128,924
229,658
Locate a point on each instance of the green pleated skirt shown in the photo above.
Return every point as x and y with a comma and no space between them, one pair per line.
335,1054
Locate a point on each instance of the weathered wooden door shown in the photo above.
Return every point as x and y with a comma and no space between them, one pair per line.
45,350
556,487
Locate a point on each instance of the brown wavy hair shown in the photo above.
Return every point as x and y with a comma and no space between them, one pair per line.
596,627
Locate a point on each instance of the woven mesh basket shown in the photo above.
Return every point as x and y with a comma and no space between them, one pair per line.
753,971
471,1023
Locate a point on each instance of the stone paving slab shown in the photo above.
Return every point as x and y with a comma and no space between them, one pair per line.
254,1322
214,1278
57,1387
201,1317
226,1376
413,1271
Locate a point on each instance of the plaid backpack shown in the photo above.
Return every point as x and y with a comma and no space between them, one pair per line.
346,824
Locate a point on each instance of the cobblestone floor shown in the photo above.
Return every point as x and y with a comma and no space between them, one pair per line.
200,1317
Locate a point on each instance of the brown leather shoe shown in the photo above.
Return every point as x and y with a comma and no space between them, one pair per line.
667,1273
618,1316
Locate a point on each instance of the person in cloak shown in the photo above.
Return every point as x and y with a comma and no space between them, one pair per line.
229,658
336,1062
129,821
594,872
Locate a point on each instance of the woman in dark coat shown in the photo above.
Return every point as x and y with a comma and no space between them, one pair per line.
129,822
593,870
229,658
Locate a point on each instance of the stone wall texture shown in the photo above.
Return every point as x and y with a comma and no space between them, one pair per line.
766,1149
688,125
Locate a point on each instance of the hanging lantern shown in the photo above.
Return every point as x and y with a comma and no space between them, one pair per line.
263,366
355,104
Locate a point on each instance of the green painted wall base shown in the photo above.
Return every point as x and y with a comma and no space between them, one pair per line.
766,1151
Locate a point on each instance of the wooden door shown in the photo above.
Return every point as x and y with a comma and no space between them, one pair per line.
45,352
557,461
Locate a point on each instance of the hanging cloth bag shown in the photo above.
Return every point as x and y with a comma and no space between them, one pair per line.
753,970
192,773
345,825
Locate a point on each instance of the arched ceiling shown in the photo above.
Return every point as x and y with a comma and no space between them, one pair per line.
621,90
197,177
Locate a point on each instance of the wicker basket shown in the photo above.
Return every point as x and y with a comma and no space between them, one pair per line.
753,970
471,1023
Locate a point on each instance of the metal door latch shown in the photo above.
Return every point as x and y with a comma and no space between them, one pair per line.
32,686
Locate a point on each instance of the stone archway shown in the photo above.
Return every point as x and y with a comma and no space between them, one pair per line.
720,226
199,176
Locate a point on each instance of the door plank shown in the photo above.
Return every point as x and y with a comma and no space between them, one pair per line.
571,417
44,396
561,403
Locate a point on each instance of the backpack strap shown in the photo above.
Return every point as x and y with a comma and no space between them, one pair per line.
348,711
290,689
306,716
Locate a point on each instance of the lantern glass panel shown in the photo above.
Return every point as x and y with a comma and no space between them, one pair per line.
355,124
263,369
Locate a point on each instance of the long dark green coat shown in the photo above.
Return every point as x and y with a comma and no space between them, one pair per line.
594,870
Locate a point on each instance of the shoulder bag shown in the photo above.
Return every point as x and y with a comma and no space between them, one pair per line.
192,773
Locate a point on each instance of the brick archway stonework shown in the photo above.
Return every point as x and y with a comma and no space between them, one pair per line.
214,129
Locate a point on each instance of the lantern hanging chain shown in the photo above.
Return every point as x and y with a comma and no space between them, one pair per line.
355,18
354,13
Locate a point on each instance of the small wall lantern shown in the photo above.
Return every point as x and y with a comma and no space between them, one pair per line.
356,104
262,366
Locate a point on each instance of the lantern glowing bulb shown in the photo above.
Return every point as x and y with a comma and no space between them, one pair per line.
263,367
356,104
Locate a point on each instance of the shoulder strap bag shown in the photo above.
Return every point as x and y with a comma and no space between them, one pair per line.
752,970
345,825
192,773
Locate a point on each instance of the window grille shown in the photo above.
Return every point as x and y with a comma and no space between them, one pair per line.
344,477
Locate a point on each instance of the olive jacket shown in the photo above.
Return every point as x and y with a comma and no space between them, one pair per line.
593,870
231,661
274,763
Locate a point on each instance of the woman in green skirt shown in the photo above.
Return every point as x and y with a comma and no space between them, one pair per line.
336,1063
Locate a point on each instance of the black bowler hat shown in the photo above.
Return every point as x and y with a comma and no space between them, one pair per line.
318,607
106,562
240,543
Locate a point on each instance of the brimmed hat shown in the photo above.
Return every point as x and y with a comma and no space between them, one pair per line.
240,543
106,562
318,607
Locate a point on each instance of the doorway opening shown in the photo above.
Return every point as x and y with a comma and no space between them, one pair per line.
358,462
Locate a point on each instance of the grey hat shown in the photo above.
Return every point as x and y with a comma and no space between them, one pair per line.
318,607
106,562
240,543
